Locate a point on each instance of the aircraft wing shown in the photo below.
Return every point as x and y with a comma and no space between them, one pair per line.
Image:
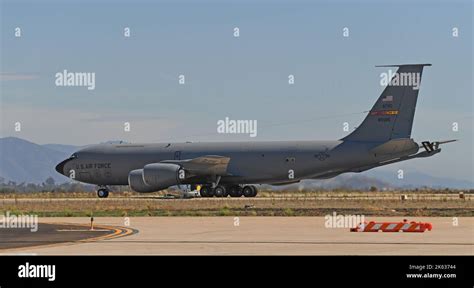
204,165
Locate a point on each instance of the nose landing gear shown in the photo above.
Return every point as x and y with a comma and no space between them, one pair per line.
103,192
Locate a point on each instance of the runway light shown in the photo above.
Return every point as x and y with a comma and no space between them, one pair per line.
92,223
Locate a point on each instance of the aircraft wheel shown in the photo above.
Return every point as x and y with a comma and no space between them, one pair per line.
206,191
220,191
235,191
103,193
203,191
248,191
254,192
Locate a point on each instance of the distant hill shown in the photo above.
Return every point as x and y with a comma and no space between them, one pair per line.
24,161
415,179
68,149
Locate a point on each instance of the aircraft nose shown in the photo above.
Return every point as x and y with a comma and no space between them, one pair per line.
60,166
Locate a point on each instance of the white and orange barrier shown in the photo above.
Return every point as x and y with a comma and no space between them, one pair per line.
404,226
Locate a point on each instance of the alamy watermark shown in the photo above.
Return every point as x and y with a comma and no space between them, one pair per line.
335,220
37,271
75,79
391,78
229,126
19,221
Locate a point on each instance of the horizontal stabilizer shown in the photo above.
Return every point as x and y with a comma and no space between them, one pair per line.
401,65
395,146
432,146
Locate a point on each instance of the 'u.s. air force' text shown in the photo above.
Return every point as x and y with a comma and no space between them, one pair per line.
93,166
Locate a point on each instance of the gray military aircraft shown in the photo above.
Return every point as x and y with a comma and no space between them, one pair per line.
228,168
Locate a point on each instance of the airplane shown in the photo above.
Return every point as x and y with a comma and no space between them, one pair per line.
222,169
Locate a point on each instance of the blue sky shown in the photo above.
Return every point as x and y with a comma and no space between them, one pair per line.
240,78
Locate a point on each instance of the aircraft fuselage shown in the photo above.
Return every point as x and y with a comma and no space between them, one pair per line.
250,162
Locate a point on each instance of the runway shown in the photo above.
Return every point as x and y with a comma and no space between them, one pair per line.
257,236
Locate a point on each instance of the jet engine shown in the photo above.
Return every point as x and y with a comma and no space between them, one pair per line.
135,181
162,175
155,177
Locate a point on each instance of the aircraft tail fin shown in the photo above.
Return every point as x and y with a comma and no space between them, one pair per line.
392,115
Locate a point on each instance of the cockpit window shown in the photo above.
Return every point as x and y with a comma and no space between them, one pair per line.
73,156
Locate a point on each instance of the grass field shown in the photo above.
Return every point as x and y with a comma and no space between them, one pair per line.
318,203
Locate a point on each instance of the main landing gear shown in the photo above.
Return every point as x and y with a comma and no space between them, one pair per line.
228,190
103,192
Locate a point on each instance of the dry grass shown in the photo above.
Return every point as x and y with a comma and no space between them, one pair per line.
278,204
426,194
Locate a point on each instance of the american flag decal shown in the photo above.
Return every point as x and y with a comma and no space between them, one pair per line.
388,98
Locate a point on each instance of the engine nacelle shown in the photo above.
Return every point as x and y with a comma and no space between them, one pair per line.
162,175
135,181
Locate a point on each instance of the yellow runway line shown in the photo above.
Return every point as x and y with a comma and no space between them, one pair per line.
117,233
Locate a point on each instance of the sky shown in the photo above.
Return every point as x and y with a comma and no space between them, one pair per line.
245,77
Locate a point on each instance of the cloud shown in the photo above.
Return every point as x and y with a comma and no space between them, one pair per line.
17,76
121,117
